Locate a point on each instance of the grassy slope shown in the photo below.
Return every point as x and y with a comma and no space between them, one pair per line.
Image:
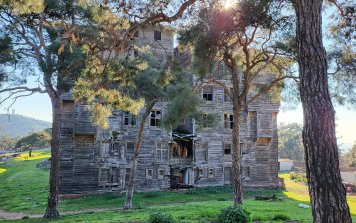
24,188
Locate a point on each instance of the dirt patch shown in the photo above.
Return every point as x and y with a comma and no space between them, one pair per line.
17,215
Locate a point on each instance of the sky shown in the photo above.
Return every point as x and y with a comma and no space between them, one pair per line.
38,106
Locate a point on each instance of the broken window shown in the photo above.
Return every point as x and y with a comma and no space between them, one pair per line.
207,121
201,172
211,173
114,175
149,174
161,152
157,35
129,119
161,174
227,148
155,118
226,96
228,121
115,148
208,92
201,152
246,171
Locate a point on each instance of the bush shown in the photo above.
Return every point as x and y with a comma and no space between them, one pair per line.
235,214
298,177
159,217
280,217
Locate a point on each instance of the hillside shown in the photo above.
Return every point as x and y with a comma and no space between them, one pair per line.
18,125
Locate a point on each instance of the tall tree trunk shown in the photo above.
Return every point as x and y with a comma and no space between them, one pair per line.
236,138
51,211
131,185
236,157
327,194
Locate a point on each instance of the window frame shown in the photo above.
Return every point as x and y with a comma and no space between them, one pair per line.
228,121
157,35
156,119
161,176
131,119
208,90
149,176
161,153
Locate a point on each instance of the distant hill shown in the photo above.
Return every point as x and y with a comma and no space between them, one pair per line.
18,125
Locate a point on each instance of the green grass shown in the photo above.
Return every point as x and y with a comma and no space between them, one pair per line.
24,188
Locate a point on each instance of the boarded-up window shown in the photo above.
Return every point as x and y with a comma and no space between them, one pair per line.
208,91
68,105
130,147
246,171
201,151
129,119
84,139
227,175
161,173
228,121
155,118
161,152
264,125
149,174
104,175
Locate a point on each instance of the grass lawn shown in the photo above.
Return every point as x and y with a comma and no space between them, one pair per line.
24,188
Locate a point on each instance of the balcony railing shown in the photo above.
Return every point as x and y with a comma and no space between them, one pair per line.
186,160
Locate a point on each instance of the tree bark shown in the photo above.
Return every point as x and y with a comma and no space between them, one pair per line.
236,157
327,193
51,211
236,138
131,185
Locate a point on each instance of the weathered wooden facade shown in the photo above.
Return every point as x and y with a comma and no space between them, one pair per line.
96,160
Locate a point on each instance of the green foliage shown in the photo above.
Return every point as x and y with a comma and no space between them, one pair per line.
159,217
234,214
350,156
7,143
34,140
21,7
298,177
281,217
182,101
290,144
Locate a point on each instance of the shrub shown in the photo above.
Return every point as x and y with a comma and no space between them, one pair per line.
234,214
280,217
292,175
159,217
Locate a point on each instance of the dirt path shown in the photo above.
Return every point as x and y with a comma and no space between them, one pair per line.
17,215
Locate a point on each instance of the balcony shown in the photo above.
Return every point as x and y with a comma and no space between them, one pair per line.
178,160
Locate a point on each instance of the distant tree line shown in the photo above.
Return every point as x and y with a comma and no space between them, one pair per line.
33,140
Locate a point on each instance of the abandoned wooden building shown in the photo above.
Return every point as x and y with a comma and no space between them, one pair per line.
96,160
